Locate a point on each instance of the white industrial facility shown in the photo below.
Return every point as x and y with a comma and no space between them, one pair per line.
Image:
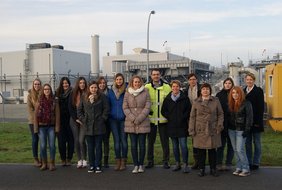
18,69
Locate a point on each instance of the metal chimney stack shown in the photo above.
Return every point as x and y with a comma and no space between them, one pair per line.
95,55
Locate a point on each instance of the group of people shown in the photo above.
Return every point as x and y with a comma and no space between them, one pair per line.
83,117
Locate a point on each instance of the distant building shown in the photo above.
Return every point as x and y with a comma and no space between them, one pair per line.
19,68
171,65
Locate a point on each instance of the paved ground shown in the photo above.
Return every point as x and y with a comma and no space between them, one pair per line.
27,177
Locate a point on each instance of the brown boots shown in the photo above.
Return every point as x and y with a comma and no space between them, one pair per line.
44,165
52,165
117,166
120,164
123,164
37,162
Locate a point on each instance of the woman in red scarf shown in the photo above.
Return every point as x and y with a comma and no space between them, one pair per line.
46,124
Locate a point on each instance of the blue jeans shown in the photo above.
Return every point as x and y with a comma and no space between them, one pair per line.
120,138
220,151
47,132
34,141
238,144
184,149
138,139
94,144
256,138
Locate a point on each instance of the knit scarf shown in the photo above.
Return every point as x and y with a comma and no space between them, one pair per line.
135,92
45,110
118,91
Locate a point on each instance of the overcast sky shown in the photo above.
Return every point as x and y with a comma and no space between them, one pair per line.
213,31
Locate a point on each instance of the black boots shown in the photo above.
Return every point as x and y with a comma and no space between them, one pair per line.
150,164
195,166
214,173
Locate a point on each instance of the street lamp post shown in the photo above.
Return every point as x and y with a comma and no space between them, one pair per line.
152,12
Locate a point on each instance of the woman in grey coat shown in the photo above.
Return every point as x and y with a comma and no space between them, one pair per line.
93,113
205,126
136,107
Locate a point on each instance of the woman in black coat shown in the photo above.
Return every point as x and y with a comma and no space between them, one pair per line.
223,98
176,108
255,95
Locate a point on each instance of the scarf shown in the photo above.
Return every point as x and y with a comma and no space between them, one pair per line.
45,109
118,91
174,98
135,92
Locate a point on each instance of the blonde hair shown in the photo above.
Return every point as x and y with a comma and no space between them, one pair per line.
250,75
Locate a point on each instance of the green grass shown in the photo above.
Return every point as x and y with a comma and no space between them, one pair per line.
15,146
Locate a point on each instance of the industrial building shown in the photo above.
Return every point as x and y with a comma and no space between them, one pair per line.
18,69
172,66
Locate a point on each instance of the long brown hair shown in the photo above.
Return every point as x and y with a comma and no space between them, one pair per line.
77,91
235,105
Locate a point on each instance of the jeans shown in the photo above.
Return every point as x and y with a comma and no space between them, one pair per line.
138,140
47,132
66,142
94,144
184,149
164,141
120,138
238,144
202,158
254,158
79,139
220,151
34,141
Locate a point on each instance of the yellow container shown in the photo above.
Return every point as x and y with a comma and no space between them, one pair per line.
273,94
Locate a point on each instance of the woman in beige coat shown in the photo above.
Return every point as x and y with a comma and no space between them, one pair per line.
205,126
32,99
136,107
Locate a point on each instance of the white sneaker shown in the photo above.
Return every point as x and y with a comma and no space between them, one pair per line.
79,164
135,170
141,169
237,172
84,163
244,174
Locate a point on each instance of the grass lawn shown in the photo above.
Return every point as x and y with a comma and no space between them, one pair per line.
15,146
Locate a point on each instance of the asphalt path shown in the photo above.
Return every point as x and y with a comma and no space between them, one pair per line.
28,177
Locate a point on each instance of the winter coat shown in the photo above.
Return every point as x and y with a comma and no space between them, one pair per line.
157,96
206,123
116,111
64,108
243,119
256,97
136,110
223,99
94,115
177,113
31,106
